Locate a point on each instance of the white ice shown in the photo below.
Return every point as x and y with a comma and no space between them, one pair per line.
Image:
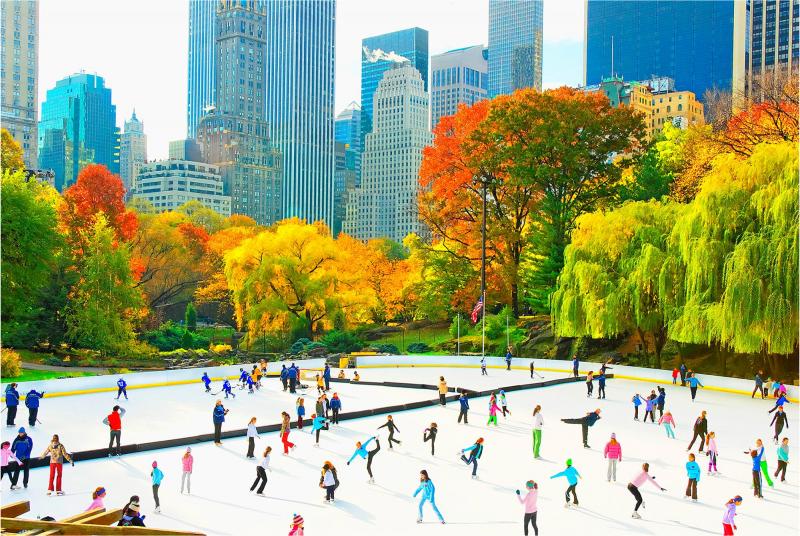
221,503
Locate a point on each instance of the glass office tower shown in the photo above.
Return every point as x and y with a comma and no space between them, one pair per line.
515,45
200,88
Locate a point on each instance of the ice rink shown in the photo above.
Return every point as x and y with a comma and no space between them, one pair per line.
220,502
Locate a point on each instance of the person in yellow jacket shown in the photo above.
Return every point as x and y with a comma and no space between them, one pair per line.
442,390
320,384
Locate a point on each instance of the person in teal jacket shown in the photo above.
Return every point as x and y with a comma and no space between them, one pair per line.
693,383
475,452
157,476
693,472
317,424
783,459
361,450
572,475
428,491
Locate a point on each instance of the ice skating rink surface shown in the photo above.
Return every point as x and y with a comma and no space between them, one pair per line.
221,503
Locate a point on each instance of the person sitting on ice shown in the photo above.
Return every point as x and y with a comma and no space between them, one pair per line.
341,375
356,377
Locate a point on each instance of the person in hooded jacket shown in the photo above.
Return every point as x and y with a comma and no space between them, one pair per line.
12,402
22,447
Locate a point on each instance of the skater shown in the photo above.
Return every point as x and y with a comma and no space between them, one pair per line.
728,523
392,429
130,516
601,385
529,502
711,452
361,450
483,367
429,434
636,483
243,376
589,384
508,358
463,411
493,409
57,454
756,456
320,408
284,377
575,366
326,375
538,422
341,375
32,403
292,375
320,384
682,371
206,381
12,401
613,452
693,383
336,407
586,421
693,473
318,423
22,447
301,412
503,403
637,401
759,385
114,422
122,389
187,463
7,458
780,402
650,408
572,475
157,476
250,383
700,430
428,494
661,399
97,499
674,376
227,389
261,473
219,418
328,481
783,459
669,424
762,456
296,528
252,434
356,377
286,426
532,371
475,452
442,391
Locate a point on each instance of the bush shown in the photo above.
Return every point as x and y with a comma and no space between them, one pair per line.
314,345
418,348
170,336
296,348
221,348
387,349
191,317
459,325
10,363
341,342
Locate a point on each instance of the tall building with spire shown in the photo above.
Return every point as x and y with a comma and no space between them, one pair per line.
201,84
234,135
132,151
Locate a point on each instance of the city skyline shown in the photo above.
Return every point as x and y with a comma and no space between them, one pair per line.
151,76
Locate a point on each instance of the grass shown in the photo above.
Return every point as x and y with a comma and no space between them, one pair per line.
429,335
36,375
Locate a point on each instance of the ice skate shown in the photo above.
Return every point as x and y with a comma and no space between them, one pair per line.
419,520
157,510
636,515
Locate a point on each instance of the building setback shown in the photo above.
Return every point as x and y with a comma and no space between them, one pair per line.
20,74
132,151
168,184
385,204
457,77
515,45
201,84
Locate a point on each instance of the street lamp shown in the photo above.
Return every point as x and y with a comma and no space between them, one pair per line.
484,181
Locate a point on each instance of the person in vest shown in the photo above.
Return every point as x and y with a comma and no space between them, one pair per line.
32,403
12,401
114,422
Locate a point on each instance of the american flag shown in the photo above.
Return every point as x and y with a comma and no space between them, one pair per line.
477,310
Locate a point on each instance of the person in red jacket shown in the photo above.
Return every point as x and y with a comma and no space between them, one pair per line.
114,422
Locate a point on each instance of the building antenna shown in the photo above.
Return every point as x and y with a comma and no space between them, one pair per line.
612,56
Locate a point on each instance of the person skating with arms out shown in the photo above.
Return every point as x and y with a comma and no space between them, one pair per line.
361,450
429,434
693,474
529,503
669,424
572,475
57,453
586,421
475,452
637,401
694,382
318,423
762,456
428,491
613,452
650,408
636,483
392,427
538,423
756,471
728,522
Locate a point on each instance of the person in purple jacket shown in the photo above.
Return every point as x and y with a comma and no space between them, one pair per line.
728,523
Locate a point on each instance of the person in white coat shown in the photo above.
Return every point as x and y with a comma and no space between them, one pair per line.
538,422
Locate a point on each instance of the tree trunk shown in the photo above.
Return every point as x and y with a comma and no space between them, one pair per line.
644,341
515,299
659,339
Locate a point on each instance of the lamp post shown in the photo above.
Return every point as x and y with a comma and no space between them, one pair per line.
484,180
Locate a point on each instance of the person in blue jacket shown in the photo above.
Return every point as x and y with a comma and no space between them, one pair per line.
428,491
508,358
361,450
326,375
284,377
243,375
682,369
601,384
637,401
318,422
122,388
22,447
572,475
693,472
575,367
32,403
475,452
464,410
219,418
336,407
779,403
693,383
250,383
207,381
12,401
292,375
586,421
226,388
661,399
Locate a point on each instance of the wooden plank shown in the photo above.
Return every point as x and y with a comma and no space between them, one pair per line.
15,509
102,517
15,524
77,518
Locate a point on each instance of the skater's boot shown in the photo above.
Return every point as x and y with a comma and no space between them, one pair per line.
636,515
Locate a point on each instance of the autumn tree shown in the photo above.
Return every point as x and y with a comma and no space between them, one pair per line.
11,156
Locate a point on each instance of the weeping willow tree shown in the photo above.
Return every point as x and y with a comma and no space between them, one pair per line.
730,278
609,284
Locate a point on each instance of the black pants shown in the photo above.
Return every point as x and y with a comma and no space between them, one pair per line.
508,365
571,489
251,447
601,390
335,416
441,399
589,388
661,409
285,383
329,492
12,470
217,432
691,488
327,384
11,415
781,469
702,436
471,460
584,428
114,435
694,391
32,414
530,518
532,378
759,390
155,494
505,410
318,431
292,385
371,454
483,371
463,413
757,482
773,408
24,466
261,476
778,430
635,412
392,439
638,496
432,439
122,391
575,373
683,380
651,413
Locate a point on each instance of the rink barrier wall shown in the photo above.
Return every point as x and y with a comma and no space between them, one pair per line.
623,372
97,454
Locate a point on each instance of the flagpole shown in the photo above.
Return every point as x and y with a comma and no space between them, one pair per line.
485,185
458,334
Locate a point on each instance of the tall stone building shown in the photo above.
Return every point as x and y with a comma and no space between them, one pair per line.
132,151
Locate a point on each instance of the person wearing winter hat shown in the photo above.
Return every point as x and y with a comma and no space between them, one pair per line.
529,502
296,528
613,452
572,475
157,477
22,447
131,516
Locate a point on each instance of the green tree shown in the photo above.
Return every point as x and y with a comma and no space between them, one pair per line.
651,179
190,317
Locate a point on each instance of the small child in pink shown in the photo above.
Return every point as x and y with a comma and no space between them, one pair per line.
296,528
668,423
97,499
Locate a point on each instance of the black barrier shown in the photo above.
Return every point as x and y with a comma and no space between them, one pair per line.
96,454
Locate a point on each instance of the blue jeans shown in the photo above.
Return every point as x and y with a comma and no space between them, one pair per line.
433,504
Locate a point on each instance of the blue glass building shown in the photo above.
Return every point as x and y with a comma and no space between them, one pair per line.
691,42
78,126
378,54
348,131
515,45
300,72
200,88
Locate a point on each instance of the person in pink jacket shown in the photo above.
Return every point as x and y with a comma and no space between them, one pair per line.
669,424
97,499
6,457
529,501
613,452
711,451
493,409
187,461
636,483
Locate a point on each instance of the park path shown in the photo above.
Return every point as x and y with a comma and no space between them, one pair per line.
54,368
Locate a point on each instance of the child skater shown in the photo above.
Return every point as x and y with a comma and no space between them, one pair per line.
637,401
711,452
493,409
669,424
361,450
693,472
301,412
428,491
728,523
392,429
529,502
296,528
650,408
503,403
636,483
429,434
572,475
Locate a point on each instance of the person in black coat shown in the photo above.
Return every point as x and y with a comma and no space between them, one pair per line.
586,421
779,420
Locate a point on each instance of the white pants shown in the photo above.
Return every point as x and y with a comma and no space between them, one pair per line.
612,469
187,479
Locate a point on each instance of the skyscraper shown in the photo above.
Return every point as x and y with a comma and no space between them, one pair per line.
385,205
515,45
347,152
772,41
379,54
300,71
347,130
201,85
457,76
234,135
691,42
133,151
20,74
77,127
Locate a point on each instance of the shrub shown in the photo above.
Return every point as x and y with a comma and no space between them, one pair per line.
459,325
186,340
221,348
296,348
191,317
387,349
495,326
418,348
341,342
170,336
10,363
314,345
